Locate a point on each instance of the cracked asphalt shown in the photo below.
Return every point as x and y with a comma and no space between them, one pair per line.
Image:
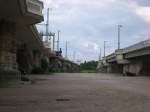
75,92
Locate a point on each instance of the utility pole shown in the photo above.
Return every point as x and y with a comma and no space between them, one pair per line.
46,34
100,54
54,43
66,54
104,48
47,26
119,28
58,40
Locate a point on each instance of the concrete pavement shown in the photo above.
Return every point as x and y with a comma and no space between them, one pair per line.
78,93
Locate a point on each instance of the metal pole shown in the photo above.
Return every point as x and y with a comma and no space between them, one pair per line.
54,43
47,25
58,40
119,27
100,54
104,48
66,55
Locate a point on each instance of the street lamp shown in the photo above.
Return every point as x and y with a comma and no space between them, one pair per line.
119,28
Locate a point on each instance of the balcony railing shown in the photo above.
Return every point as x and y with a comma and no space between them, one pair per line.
35,7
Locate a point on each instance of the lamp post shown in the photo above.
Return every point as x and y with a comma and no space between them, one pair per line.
119,29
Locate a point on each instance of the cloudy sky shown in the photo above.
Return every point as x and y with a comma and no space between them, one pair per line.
86,24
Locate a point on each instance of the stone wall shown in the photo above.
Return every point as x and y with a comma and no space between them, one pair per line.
28,58
59,65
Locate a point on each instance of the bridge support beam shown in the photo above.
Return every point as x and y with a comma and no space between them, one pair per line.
28,58
115,68
133,68
146,69
8,44
58,64
138,66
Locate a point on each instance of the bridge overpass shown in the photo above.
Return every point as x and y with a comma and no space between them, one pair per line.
133,60
21,46
18,34
60,64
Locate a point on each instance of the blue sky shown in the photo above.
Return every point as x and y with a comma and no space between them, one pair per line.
86,24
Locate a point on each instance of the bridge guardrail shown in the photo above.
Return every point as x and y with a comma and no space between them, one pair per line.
34,6
137,46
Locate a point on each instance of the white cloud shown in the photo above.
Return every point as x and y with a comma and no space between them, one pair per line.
144,12
87,23
91,46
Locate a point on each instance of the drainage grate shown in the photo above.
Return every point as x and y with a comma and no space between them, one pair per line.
62,99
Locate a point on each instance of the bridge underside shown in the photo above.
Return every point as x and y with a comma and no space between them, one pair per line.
138,66
114,68
19,48
146,66
133,60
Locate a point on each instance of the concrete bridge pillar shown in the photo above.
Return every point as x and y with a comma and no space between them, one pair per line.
133,68
146,66
115,68
36,57
102,66
138,66
8,45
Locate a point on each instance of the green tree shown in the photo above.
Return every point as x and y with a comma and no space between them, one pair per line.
91,65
